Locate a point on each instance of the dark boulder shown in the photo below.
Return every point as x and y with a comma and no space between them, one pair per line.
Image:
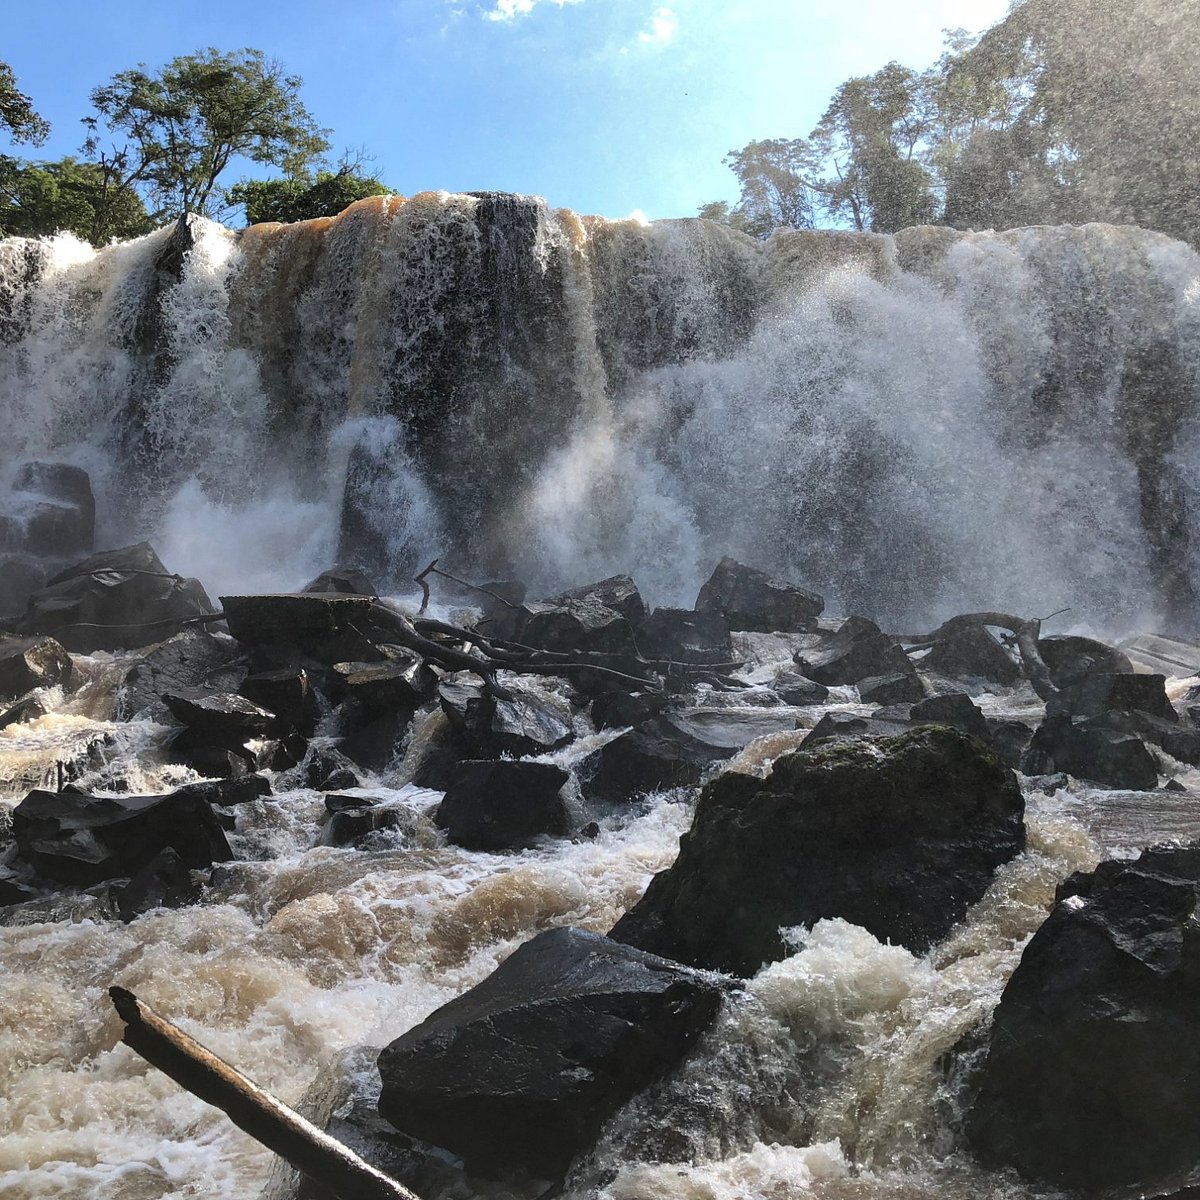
956,709
344,580
750,599
504,805
659,754
887,722
20,577
900,688
290,630
192,659
798,691
80,839
364,823
619,593
857,650
971,652
1091,749
1009,739
28,663
122,599
401,684
1070,658
222,718
518,1075
677,635
491,727
613,710
1092,1073
574,625
376,742
896,834
165,881
228,793
288,693
1102,691
328,770
58,516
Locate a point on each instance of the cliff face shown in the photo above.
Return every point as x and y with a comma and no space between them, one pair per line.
988,419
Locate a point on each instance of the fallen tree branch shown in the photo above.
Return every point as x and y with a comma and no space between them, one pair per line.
433,569
1025,633
249,1107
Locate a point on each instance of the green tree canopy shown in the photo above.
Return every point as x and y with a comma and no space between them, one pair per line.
303,197
44,198
17,114
177,131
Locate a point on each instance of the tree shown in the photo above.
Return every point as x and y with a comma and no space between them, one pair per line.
303,197
184,126
41,199
17,114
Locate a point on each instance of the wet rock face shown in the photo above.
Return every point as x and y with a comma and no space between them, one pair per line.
574,625
504,805
490,727
897,834
121,599
676,635
518,1075
289,630
78,839
28,663
750,599
1070,658
618,593
1091,749
972,652
858,650
1092,1074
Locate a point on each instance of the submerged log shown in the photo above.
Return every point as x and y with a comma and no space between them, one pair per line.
253,1110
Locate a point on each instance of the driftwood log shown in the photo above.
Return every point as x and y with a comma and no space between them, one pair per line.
253,1110
1025,633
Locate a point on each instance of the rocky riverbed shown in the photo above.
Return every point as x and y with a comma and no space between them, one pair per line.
318,826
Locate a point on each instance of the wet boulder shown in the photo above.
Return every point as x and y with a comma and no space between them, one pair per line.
884,722
290,630
858,649
400,684
1009,738
79,839
491,727
504,805
618,593
28,663
222,718
1070,658
573,625
347,581
1091,749
366,823
677,635
796,690
121,599
195,658
166,881
613,710
897,834
902,687
55,513
288,693
971,652
518,1075
1092,1074
955,709
1103,691
666,751
750,599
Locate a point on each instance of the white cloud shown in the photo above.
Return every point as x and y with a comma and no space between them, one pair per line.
508,10
663,26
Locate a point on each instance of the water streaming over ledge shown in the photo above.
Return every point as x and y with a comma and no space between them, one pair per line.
915,425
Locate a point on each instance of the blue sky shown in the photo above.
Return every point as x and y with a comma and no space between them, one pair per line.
603,106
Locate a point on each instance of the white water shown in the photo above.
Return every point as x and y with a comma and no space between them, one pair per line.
913,425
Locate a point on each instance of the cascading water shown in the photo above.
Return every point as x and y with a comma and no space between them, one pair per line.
917,425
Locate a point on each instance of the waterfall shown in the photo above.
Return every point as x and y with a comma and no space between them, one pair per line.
915,425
